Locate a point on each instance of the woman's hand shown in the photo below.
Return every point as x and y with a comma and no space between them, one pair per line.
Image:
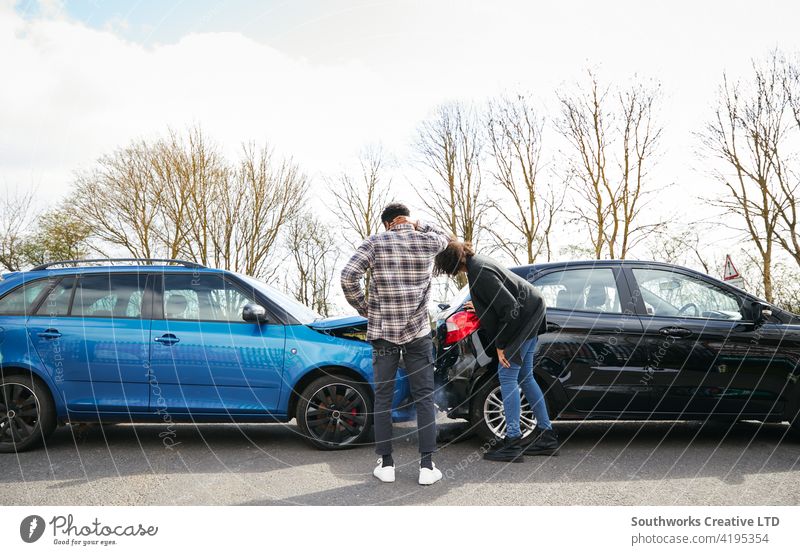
469,307
501,357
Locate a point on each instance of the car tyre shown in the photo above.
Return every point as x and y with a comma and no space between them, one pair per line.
335,413
27,413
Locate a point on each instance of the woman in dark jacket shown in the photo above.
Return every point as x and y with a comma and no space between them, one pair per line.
512,311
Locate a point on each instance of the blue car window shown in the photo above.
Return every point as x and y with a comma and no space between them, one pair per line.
57,301
19,301
206,297
181,304
109,295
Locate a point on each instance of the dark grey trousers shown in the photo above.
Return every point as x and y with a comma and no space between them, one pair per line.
418,360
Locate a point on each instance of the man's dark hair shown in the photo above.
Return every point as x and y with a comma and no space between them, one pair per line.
449,261
393,210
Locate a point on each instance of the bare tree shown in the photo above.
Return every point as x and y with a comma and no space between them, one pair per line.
273,189
680,246
120,199
192,174
451,147
614,135
515,143
786,173
314,255
180,197
360,198
28,237
746,134
786,289
235,213
60,234
17,214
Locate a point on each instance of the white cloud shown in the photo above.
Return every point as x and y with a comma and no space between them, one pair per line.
344,79
71,93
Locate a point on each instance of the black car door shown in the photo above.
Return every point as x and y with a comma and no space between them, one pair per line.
706,355
593,345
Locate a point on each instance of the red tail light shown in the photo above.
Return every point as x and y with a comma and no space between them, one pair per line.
459,326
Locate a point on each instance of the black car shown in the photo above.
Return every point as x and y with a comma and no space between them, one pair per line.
631,340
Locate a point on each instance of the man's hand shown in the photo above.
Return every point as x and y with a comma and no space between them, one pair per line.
501,357
469,307
403,220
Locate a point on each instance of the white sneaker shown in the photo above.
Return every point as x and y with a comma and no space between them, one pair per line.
428,476
384,473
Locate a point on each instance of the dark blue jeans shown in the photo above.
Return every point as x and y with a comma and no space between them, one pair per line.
418,359
521,377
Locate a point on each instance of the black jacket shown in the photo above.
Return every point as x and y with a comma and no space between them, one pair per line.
509,308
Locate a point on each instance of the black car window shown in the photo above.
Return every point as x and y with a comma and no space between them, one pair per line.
57,301
203,297
668,293
109,295
19,301
591,289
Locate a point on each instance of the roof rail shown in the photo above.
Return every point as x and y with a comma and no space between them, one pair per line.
98,261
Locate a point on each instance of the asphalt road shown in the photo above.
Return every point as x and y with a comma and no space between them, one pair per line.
661,463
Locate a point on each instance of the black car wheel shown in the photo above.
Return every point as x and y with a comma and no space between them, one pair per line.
487,416
335,413
27,413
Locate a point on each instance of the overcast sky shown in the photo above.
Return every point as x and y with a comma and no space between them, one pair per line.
320,79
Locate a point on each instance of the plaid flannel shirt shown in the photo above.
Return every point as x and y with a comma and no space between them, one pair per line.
401,261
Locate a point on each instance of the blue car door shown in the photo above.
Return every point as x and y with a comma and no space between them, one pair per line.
204,357
92,335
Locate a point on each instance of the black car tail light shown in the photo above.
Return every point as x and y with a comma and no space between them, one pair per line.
459,326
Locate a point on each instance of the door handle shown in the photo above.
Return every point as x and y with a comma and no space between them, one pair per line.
551,327
167,339
675,331
49,333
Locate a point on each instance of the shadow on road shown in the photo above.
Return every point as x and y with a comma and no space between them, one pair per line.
591,452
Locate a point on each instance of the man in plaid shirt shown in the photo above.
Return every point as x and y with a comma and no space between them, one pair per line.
400,262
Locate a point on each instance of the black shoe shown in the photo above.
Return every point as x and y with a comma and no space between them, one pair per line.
506,450
545,443
528,440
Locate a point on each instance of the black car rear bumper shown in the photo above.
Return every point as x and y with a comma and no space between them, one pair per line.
458,368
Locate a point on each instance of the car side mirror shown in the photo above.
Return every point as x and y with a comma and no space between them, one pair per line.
252,312
761,312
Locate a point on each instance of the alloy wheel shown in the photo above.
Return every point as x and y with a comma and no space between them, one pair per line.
495,417
19,413
336,414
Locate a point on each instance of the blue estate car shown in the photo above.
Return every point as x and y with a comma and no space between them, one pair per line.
157,340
